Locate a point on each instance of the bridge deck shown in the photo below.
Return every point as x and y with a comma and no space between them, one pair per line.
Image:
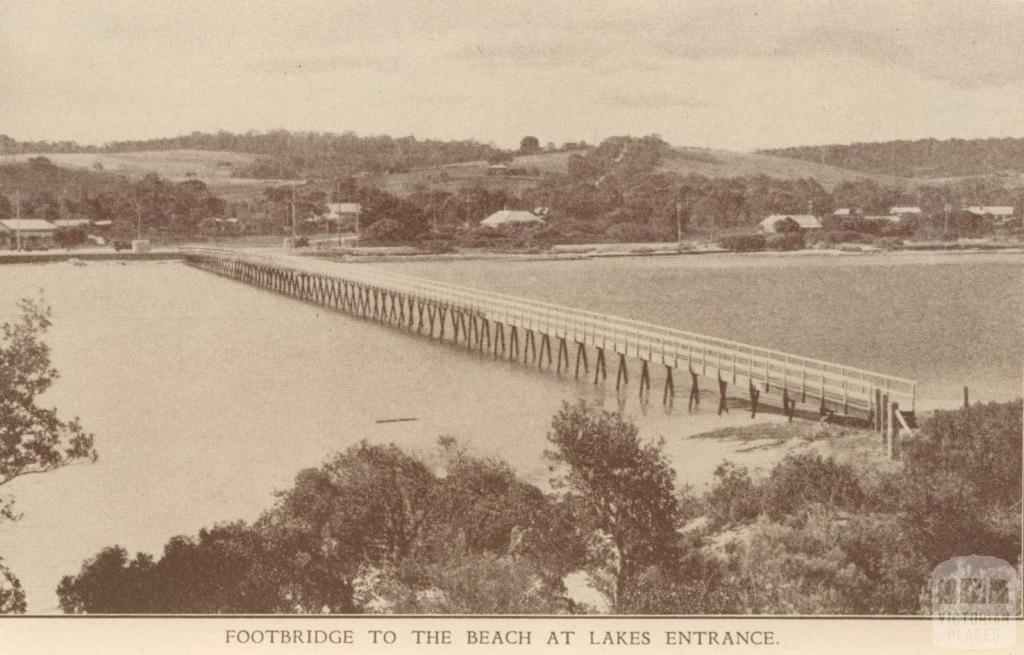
836,387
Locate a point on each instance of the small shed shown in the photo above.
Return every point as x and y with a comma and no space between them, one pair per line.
805,221
343,211
511,217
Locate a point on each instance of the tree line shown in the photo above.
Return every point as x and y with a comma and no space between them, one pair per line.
918,158
377,530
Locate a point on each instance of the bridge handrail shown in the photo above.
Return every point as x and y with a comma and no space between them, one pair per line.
645,336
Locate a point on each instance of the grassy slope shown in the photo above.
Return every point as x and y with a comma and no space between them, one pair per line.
726,163
214,168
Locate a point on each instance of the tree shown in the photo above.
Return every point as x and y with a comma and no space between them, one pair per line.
622,489
32,438
787,226
12,596
529,145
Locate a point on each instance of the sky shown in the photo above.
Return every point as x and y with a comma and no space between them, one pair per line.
726,74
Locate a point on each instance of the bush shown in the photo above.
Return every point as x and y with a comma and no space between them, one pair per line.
801,480
627,232
786,241
835,237
386,229
743,242
734,498
887,243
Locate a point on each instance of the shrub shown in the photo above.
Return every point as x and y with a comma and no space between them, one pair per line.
833,237
627,232
887,243
743,242
386,229
801,480
786,241
734,498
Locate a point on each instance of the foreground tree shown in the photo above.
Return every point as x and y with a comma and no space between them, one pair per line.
622,489
33,439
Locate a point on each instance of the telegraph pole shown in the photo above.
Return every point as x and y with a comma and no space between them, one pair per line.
679,223
17,218
294,232
138,216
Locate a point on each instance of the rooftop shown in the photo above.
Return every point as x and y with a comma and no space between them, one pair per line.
28,224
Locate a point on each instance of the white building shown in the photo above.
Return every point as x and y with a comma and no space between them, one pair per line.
904,211
343,211
995,211
511,217
32,233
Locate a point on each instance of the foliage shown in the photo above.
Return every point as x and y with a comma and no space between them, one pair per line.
529,144
372,530
618,487
67,237
12,596
920,158
743,242
786,241
820,540
787,226
33,439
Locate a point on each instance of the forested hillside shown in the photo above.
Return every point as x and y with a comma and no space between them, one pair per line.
288,154
922,158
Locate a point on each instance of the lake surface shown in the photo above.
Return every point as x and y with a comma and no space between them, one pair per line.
206,395
946,320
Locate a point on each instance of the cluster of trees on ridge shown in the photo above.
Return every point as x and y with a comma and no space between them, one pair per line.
376,530
918,158
289,155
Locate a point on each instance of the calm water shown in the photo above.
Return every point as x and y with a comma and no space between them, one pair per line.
946,321
206,395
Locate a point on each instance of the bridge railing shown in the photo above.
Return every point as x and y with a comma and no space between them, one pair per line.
733,361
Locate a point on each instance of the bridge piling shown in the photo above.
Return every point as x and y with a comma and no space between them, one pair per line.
622,377
669,392
492,322
581,355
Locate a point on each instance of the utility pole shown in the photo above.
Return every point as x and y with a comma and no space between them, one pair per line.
679,223
17,218
138,216
294,232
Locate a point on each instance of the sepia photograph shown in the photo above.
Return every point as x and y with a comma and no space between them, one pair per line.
684,318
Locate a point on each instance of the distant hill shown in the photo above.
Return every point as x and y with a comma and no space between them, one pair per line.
726,163
285,154
923,158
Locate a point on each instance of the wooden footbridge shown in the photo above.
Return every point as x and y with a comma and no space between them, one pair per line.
551,335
